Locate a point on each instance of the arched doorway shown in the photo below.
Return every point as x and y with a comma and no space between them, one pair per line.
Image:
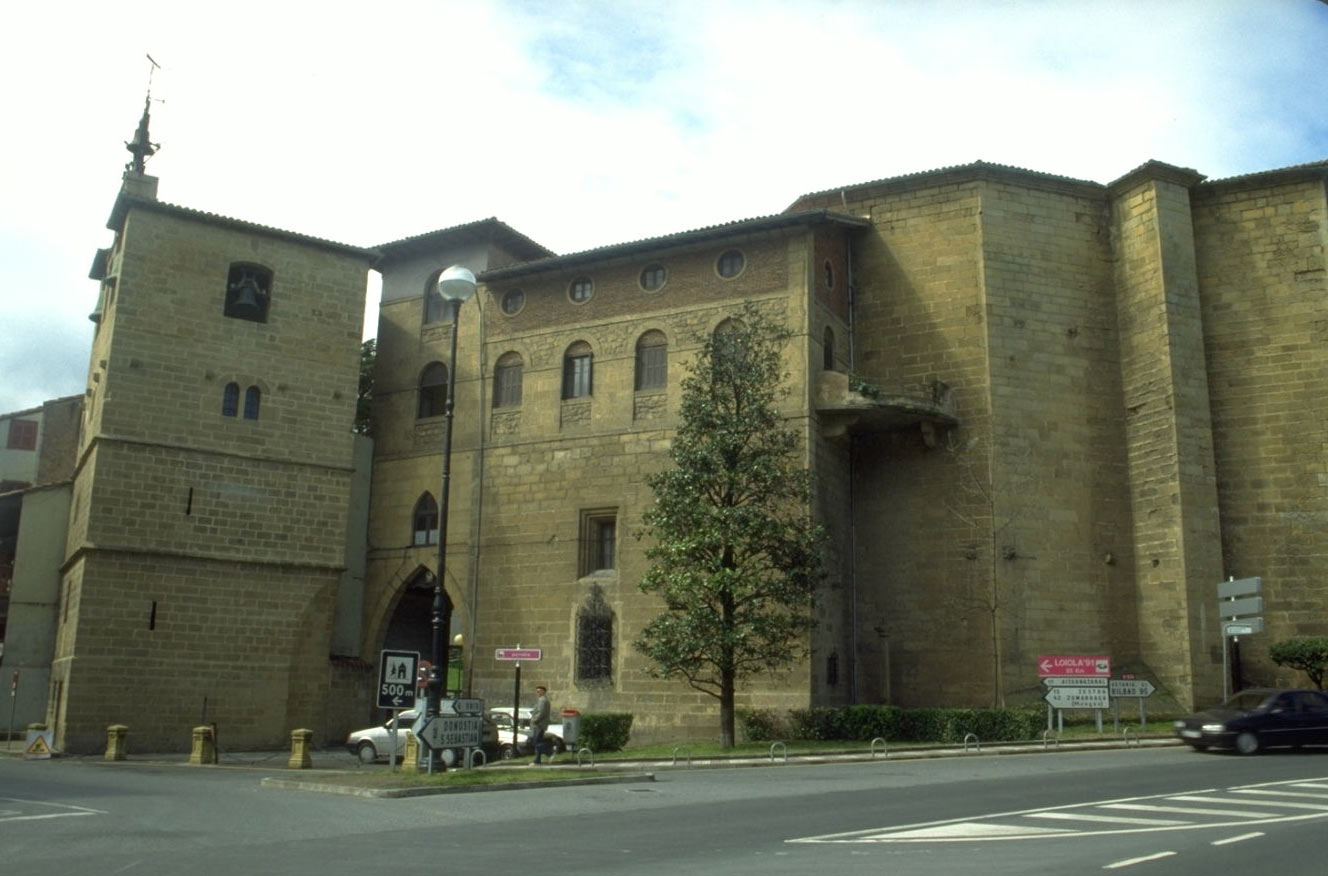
411,626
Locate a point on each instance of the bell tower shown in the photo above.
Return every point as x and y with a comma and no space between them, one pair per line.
207,549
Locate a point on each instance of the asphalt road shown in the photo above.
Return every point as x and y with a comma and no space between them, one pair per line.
1145,811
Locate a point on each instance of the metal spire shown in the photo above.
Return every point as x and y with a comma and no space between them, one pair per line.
141,147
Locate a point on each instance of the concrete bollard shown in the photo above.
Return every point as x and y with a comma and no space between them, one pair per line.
410,759
300,756
204,749
117,737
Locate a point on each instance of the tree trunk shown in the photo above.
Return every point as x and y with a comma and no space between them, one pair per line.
726,717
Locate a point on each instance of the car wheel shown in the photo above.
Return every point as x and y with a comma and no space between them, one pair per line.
507,752
366,752
1247,743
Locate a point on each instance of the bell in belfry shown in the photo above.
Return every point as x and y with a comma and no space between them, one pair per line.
248,298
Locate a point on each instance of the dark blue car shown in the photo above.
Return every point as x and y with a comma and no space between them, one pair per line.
1256,719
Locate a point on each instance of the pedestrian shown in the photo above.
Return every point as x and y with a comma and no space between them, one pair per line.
539,722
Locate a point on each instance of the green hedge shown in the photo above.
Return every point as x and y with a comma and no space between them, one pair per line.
861,723
605,731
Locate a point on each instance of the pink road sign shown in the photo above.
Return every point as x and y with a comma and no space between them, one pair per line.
1074,664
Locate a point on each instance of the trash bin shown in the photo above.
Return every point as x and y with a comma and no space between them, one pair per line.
571,728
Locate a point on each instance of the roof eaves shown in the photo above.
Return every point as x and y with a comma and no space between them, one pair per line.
974,170
681,238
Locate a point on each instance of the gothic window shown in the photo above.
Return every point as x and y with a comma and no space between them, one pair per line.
248,292
433,390
577,371
652,361
594,639
424,521
828,349
252,397
230,400
507,380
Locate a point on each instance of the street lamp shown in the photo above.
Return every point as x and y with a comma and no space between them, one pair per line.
456,285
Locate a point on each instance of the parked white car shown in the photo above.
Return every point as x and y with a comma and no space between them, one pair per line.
373,744
513,743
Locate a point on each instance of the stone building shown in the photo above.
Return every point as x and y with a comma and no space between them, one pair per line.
1043,416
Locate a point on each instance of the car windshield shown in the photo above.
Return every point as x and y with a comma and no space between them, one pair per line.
1247,700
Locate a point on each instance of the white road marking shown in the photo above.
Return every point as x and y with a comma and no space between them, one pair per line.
9,815
1238,839
1105,817
1130,862
1192,810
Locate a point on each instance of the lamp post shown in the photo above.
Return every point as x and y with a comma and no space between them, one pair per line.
456,285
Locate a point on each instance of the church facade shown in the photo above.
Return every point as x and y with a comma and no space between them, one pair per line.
1043,416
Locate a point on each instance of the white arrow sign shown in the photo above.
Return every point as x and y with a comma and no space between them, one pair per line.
450,731
461,707
1078,697
1122,687
1074,681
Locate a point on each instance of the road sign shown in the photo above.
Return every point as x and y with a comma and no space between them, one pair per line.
1120,687
1246,626
396,679
1239,607
1073,664
1241,587
461,707
1078,697
449,731
1075,681
518,654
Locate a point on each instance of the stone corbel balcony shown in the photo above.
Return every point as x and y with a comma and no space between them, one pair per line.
845,406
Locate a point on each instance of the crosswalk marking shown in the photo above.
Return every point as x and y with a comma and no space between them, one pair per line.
1209,808
1105,819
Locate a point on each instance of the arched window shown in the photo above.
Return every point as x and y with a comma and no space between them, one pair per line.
507,380
578,371
230,400
594,639
424,521
828,349
252,396
652,361
434,306
433,390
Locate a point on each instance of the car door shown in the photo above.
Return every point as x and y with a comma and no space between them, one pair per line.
1313,717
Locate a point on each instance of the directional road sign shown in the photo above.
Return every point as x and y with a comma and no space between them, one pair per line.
1074,664
1241,587
1078,697
449,731
518,654
1075,681
1246,626
461,707
1120,687
1239,607
396,679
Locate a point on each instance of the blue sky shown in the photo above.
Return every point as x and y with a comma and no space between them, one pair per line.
588,123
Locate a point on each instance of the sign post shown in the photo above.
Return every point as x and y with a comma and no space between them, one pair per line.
1239,613
517,654
1140,689
1075,681
13,704
396,689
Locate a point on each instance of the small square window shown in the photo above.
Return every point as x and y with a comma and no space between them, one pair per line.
580,290
22,435
730,264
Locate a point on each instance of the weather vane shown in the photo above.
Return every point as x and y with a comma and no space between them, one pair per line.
141,147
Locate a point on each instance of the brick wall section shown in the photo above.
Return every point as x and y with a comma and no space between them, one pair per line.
1168,433
1260,251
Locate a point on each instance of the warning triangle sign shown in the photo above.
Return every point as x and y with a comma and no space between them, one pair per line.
38,747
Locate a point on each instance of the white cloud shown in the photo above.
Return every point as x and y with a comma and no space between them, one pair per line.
587,123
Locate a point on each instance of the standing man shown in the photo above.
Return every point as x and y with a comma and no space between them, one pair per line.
539,722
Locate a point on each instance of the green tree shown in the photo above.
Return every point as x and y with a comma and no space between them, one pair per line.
735,556
364,400
1308,654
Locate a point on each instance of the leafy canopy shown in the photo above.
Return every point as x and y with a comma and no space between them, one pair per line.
735,554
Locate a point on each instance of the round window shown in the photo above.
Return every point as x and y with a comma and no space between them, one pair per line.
513,301
653,277
730,264
580,290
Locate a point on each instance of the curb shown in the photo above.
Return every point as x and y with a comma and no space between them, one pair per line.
392,793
